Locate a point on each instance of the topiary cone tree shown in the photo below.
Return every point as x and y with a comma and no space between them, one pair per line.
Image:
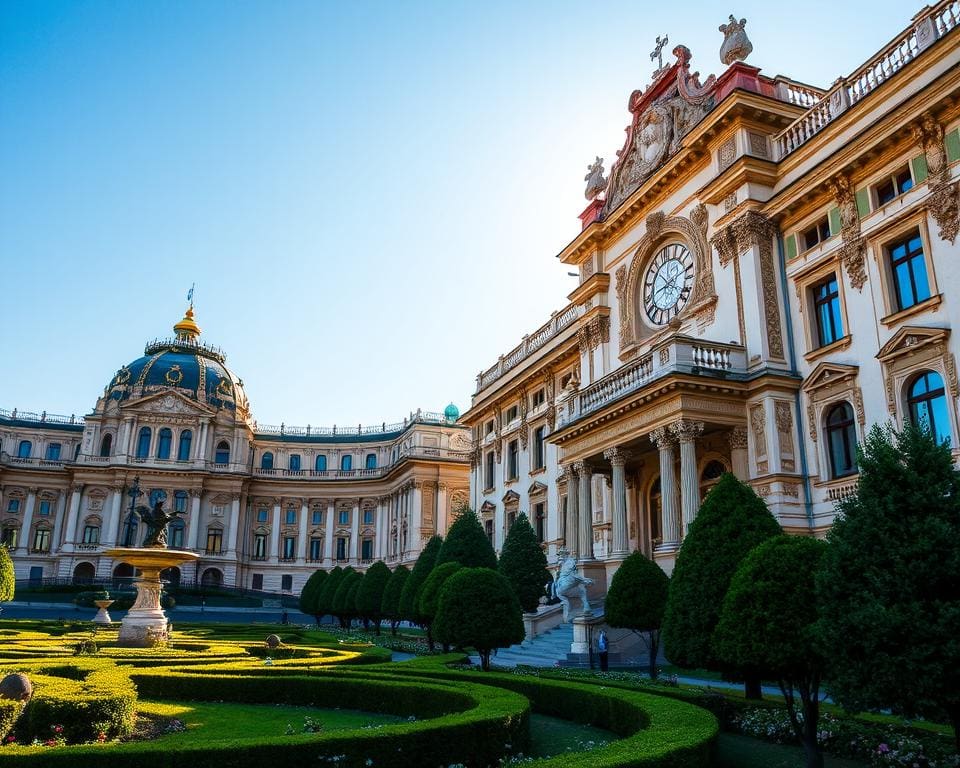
524,564
328,591
889,588
429,594
390,607
340,607
370,593
769,621
411,587
310,594
8,579
636,600
478,608
466,543
732,520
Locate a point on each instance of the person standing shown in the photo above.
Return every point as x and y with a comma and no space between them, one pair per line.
602,649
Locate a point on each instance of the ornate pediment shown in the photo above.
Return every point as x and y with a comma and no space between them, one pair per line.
911,339
536,488
488,507
511,497
662,115
168,402
828,375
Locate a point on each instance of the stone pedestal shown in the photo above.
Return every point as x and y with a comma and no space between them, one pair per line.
102,616
597,571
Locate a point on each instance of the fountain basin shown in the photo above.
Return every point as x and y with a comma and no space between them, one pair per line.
102,616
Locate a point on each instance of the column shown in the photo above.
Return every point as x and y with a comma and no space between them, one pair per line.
302,534
72,515
275,531
193,524
378,531
571,527
58,522
355,532
738,453
397,522
442,509
123,446
668,490
621,533
112,523
130,448
416,518
328,539
23,546
233,523
585,513
686,433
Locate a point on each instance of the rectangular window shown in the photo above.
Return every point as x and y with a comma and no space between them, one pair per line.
488,427
13,506
41,540
511,519
910,283
291,516
257,582
44,508
175,536
826,304
53,452
891,188
488,472
91,534
10,537
366,549
513,459
180,502
512,413
286,582
539,397
289,547
344,517
316,549
259,546
540,520
262,515
341,548
368,517
539,447
214,541
816,233
488,529
316,517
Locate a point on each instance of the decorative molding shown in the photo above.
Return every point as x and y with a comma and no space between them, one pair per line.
943,200
738,438
686,431
853,252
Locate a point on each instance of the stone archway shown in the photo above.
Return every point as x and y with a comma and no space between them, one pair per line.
171,577
84,573
212,577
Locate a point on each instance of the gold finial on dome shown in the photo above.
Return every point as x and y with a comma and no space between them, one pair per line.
187,329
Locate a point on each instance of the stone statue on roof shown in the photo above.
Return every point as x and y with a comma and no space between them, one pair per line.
736,45
596,182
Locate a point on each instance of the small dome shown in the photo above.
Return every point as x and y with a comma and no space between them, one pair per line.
451,412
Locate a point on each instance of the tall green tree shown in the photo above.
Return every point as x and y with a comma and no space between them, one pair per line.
310,594
328,591
889,588
390,608
466,543
7,576
478,608
636,600
429,595
769,621
732,520
524,564
370,593
340,606
411,587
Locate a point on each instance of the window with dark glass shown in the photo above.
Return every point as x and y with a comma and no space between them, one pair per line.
222,453
891,188
286,582
539,446
656,529
164,439
10,536
41,540
316,516
294,462
344,517
24,449
91,534
53,451
366,549
927,401
183,445
180,501
262,515
289,547
488,529
826,306
371,461
539,397
155,495
259,546
512,413
214,541
130,525
44,508
511,519
291,518
513,454
540,520
910,283
488,427
257,582
346,463
320,464
488,472
316,551
106,445
816,233
341,548
368,517
143,443
266,461
13,506
841,440
175,534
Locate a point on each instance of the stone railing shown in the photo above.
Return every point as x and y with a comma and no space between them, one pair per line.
794,92
929,26
33,463
418,417
681,354
558,322
840,492
417,452
39,418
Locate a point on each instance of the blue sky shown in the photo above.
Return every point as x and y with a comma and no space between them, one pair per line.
369,196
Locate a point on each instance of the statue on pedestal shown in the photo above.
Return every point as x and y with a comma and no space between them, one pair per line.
569,582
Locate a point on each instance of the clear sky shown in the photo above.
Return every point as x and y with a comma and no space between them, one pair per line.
368,195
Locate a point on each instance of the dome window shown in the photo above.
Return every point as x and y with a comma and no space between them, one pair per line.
222,456
163,443
143,443
183,449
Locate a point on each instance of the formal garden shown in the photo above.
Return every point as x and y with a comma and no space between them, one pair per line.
857,634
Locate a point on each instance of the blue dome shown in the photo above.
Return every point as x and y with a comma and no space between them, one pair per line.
451,412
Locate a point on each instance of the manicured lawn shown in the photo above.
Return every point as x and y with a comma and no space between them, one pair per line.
551,736
735,751
218,722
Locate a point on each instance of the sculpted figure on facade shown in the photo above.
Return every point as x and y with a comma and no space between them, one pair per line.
853,253
596,181
944,196
736,45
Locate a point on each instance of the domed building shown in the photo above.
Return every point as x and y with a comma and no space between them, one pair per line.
263,506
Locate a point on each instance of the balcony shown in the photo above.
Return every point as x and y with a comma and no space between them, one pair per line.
680,354
92,547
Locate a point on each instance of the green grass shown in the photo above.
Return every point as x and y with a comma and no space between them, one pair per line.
735,751
551,736
209,722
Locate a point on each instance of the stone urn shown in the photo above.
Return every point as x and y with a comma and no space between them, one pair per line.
102,616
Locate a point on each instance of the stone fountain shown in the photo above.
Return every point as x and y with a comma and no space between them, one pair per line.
145,624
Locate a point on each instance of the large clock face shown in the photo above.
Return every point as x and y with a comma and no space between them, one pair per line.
667,283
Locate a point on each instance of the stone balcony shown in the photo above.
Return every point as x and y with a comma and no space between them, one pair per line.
679,354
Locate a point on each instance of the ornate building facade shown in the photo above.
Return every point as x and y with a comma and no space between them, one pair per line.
263,506
764,274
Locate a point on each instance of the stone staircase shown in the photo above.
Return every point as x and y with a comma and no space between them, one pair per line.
542,651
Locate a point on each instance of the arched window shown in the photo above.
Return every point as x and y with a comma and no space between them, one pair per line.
143,443
841,440
320,464
212,577
53,451
84,573
654,507
24,449
712,472
163,443
346,463
222,455
183,449
371,461
294,462
175,533
927,402
106,445
266,461
180,501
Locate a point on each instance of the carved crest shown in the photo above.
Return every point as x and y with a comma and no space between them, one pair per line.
736,45
596,181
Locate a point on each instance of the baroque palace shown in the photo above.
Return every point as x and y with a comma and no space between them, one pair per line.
263,506
764,273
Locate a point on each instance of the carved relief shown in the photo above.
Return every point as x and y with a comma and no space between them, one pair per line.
738,438
727,153
758,422
853,253
783,415
943,200
826,385
758,144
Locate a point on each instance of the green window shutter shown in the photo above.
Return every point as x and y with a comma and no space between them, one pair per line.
919,165
863,202
953,145
834,215
791,246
